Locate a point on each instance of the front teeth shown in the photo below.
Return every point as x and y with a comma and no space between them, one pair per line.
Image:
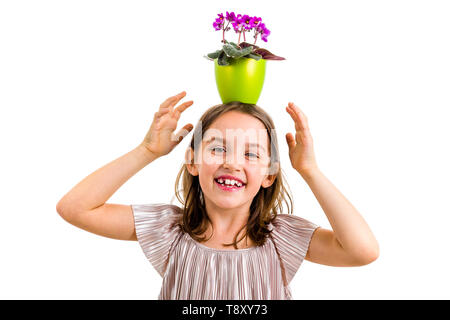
230,182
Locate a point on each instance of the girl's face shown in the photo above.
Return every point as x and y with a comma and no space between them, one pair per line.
235,147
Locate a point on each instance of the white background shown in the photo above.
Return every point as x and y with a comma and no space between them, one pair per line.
81,80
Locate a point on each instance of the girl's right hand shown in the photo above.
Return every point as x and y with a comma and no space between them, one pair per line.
160,139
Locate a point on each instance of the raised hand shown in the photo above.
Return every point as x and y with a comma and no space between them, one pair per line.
301,151
160,139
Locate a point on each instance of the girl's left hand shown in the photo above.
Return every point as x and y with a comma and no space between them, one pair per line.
301,151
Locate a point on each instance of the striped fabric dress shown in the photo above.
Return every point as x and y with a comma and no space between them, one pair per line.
193,271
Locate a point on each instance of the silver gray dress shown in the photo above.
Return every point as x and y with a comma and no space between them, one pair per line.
193,271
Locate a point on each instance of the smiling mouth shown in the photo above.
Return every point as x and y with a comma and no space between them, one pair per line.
228,187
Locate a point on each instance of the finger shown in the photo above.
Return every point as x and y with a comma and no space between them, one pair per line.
296,118
299,111
299,117
182,107
171,101
183,132
290,140
160,113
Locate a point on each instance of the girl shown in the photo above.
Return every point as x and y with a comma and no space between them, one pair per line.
230,239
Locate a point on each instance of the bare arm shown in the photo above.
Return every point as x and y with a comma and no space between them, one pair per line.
351,243
85,204
94,190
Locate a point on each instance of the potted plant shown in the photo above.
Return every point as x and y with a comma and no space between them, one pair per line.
240,68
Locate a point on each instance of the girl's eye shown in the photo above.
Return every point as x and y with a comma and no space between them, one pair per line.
220,149
214,149
253,154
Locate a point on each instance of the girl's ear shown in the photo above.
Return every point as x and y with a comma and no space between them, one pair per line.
189,160
268,181
271,176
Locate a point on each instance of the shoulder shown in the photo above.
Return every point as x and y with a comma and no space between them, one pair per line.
289,222
292,232
157,211
156,219
161,208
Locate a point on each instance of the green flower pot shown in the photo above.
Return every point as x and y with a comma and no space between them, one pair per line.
242,80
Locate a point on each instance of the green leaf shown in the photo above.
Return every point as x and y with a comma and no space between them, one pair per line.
214,55
229,50
254,56
232,52
223,60
246,51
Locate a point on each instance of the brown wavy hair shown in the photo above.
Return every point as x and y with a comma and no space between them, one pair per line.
267,203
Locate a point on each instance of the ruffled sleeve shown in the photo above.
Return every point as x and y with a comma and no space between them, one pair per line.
291,235
156,230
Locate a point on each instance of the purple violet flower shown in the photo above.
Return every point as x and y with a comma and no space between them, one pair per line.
254,22
218,24
231,16
261,29
241,25
246,22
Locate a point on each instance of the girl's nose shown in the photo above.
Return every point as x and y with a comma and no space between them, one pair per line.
233,161
230,165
